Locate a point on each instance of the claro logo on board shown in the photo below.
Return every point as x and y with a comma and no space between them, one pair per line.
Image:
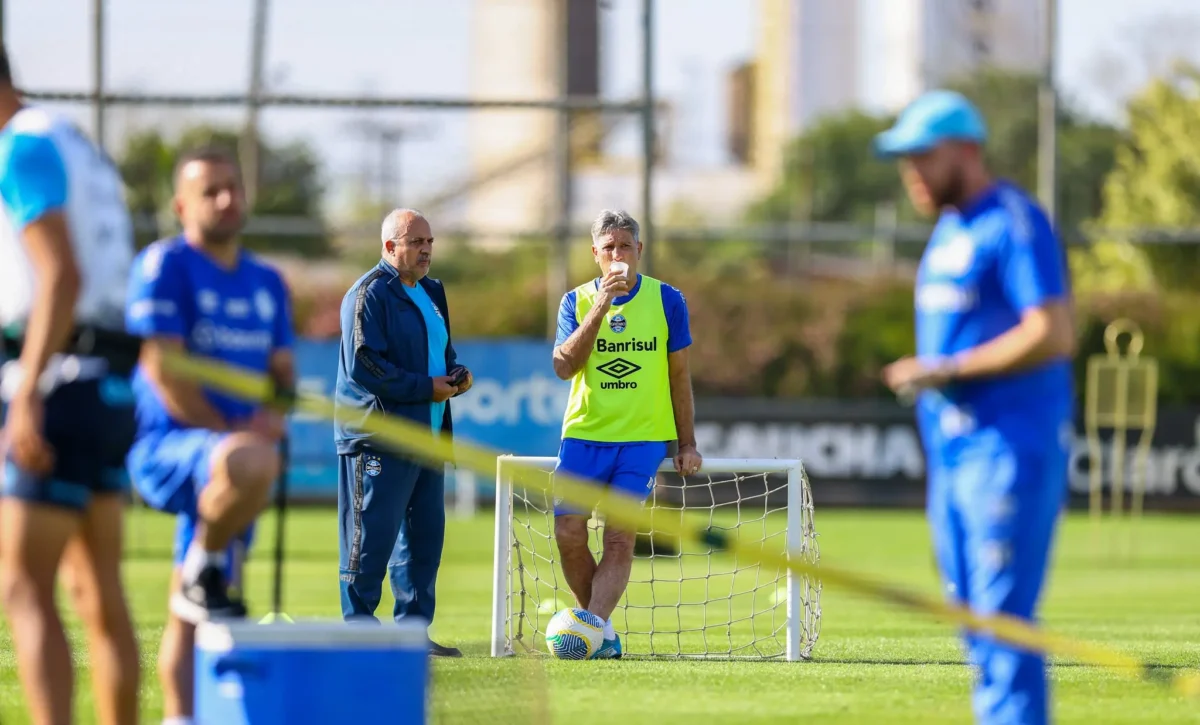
1169,469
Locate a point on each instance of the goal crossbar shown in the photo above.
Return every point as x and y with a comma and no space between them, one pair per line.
802,598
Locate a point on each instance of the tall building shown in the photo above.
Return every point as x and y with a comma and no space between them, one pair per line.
927,42
807,66
516,55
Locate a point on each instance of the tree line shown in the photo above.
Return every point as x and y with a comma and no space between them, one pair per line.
785,332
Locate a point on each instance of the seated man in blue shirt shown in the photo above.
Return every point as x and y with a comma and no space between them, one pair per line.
203,456
396,357
993,383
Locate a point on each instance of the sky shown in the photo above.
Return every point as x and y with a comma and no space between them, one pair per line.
422,48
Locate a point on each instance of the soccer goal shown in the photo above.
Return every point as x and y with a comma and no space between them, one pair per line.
683,600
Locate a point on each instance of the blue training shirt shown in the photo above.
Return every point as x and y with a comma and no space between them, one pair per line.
239,316
438,338
983,268
679,333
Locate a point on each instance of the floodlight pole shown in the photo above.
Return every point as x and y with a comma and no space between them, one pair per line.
647,224
98,71
249,141
558,259
1048,113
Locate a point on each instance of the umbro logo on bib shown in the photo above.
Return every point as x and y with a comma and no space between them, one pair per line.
618,368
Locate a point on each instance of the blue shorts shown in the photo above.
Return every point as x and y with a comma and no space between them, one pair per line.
629,468
90,425
169,470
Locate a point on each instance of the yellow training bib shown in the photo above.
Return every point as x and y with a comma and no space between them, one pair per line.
623,393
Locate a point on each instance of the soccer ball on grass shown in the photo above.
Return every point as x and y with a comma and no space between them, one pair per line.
574,634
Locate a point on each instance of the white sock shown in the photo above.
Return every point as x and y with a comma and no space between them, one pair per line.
197,558
609,632
177,721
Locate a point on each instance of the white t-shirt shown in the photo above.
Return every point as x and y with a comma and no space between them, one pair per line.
47,165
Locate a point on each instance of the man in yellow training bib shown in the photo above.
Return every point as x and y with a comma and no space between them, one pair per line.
623,343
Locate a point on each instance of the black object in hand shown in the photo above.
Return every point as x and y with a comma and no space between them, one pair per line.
458,375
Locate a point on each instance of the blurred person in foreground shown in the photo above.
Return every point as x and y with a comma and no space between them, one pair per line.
65,250
203,456
993,387
623,342
397,358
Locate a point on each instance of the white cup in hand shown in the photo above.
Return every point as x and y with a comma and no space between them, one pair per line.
620,268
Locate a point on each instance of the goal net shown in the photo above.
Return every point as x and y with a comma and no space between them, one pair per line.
684,600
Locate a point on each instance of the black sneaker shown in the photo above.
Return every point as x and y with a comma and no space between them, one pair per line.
207,598
437,650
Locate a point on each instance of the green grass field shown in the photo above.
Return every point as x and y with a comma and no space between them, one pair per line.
872,664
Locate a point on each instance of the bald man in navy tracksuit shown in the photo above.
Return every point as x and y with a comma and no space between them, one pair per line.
396,357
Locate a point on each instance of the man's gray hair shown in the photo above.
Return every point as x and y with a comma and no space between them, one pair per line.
610,221
396,220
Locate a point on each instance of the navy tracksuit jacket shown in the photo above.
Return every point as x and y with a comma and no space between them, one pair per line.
391,511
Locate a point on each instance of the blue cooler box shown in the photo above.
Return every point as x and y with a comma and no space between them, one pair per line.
311,672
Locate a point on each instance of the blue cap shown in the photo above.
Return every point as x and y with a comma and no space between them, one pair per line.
932,118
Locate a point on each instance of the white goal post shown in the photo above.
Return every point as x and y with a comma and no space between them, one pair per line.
683,600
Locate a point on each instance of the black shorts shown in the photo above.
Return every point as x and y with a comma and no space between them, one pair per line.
90,425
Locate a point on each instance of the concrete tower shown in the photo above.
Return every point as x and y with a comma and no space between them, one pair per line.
928,42
512,57
807,67
515,55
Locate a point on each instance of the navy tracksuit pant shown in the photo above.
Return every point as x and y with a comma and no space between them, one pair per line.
391,520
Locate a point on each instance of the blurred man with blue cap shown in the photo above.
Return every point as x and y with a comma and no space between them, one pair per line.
992,384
